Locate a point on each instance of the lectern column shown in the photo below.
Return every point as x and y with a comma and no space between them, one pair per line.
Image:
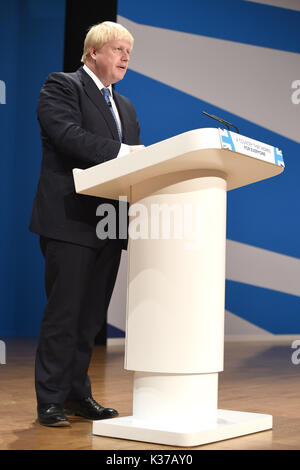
176,286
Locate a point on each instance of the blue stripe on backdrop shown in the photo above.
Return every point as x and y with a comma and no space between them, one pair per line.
273,311
262,214
233,20
114,332
31,46
8,125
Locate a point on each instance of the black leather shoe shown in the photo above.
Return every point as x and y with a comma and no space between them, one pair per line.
88,408
52,414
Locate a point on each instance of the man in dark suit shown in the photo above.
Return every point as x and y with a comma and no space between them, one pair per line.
83,123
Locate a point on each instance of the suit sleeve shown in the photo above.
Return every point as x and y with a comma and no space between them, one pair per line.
61,121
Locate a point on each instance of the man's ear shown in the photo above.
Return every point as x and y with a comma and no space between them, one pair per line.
92,52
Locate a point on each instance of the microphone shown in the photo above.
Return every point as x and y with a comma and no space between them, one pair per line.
222,121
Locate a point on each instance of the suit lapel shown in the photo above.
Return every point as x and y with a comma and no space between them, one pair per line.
97,98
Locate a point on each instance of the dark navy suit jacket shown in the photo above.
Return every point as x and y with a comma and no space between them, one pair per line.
77,131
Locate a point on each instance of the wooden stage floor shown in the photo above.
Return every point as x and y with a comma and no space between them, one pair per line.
258,377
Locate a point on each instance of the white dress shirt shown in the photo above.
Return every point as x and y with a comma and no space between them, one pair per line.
124,149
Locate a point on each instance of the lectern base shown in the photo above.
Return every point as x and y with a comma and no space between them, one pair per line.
229,424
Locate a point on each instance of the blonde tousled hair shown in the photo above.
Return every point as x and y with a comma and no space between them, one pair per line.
101,33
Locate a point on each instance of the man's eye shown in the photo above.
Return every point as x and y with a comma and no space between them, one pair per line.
119,49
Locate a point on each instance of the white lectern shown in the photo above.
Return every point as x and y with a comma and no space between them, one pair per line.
176,280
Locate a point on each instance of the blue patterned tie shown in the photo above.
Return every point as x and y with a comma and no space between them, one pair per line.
106,94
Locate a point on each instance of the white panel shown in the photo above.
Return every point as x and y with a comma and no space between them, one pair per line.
262,268
252,82
290,4
236,326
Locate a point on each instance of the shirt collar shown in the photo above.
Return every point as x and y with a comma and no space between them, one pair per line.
96,79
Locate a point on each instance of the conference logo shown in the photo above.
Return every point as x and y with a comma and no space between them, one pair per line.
2,352
2,92
157,222
296,354
296,94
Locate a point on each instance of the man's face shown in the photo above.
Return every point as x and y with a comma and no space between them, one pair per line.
111,61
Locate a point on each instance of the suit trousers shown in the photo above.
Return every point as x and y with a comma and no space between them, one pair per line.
79,282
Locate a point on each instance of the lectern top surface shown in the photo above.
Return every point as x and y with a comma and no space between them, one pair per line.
240,159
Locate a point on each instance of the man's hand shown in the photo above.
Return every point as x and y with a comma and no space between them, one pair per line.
134,148
126,149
